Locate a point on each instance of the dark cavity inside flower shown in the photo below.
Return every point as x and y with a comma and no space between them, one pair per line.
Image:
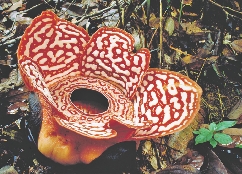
89,101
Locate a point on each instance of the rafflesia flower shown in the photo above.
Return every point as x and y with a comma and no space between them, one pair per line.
95,91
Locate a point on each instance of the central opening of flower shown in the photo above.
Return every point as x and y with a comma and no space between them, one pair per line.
89,101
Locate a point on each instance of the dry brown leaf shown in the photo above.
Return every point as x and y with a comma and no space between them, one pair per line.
188,59
227,52
179,169
236,111
17,106
192,158
149,152
190,14
19,95
187,2
174,12
236,5
154,21
191,28
237,45
180,140
197,162
233,131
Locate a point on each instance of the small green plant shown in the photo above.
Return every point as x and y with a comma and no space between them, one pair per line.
213,133
239,145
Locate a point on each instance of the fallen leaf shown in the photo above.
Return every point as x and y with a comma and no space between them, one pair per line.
179,169
16,107
149,152
187,2
190,14
237,45
179,140
167,59
15,6
189,59
197,162
214,164
233,131
139,39
169,26
191,28
236,111
154,21
192,158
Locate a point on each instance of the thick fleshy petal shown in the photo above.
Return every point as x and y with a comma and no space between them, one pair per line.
168,99
55,44
109,56
33,78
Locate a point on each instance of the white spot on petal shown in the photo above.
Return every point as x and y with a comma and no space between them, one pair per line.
171,87
155,99
158,110
150,87
150,78
167,115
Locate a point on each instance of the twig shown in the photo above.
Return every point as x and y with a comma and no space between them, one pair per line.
49,4
148,12
120,14
10,41
94,14
201,69
221,103
161,35
152,37
224,8
72,2
138,7
180,13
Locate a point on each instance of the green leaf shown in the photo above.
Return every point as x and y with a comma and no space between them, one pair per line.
203,131
222,138
196,132
239,145
207,133
225,124
201,138
212,126
213,142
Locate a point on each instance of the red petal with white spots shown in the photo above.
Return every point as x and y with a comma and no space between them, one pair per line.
55,44
109,56
168,99
32,76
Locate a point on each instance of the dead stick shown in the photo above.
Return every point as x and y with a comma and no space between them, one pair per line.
161,34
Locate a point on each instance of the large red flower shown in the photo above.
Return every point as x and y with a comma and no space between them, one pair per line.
59,61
